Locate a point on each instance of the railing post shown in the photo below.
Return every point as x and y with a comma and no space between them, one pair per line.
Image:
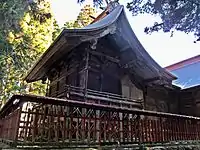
97,120
161,129
26,126
121,126
138,136
17,126
83,126
146,126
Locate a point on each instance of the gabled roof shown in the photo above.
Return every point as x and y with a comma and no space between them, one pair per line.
116,28
187,71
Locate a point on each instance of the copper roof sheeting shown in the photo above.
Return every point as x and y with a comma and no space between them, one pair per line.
116,27
187,72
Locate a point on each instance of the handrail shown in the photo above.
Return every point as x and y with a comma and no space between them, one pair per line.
64,122
69,88
59,101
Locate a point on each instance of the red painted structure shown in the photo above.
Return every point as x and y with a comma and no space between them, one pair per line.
52,122
183,63
187,72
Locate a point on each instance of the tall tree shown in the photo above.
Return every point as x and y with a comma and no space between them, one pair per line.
27,29
83,19
181,15
178,15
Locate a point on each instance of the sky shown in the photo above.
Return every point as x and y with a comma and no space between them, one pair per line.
165,50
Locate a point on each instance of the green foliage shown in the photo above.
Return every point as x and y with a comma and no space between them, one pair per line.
56,31
83,19
178,15
181,15
27,29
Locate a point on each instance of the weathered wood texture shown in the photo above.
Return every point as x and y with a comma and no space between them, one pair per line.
161,99
92,69
64,122
101,65
190,101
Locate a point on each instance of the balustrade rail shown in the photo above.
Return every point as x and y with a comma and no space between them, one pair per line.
99,97
36,120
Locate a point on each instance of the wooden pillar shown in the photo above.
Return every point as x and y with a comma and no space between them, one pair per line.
86,72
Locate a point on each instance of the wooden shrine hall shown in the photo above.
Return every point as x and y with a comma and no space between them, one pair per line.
103,88
104,58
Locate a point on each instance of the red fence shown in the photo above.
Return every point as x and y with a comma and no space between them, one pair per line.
9,126
66,123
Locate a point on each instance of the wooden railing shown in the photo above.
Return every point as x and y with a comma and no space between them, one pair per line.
39,121
99,97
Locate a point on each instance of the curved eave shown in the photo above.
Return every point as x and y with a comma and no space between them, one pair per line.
116,26
68,39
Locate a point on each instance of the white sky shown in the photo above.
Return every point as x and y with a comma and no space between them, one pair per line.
164,49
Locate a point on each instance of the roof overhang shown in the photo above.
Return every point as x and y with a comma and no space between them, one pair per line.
119,32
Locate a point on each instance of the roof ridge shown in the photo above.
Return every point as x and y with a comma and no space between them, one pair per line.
110,7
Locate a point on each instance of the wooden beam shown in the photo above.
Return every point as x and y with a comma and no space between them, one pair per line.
127,65
151,79
115,60
105,72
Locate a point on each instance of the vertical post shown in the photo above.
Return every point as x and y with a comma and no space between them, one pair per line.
173,123
181,123
166,127
49,121
170,129
198,130
85,94
26,126
150,130
98,131
185,130
138,136
35,126
88,129
86,73
83,125
17,125
146,126
95,126
161,129
153,130
120,127
142,130
156,131
101,80
65,123
70,123
131,127
123,128
144,97
109,127
48,88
